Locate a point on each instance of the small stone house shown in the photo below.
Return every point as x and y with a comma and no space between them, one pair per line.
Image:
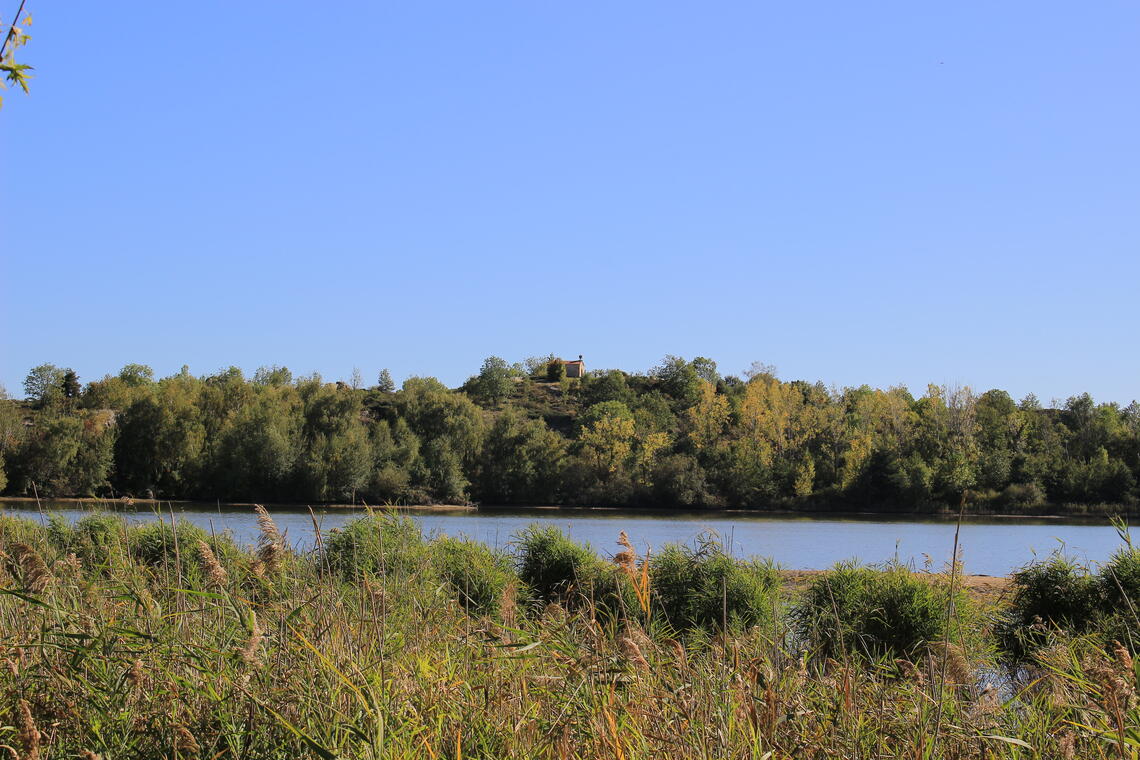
574,368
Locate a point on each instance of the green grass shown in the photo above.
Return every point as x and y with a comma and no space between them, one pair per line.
387,645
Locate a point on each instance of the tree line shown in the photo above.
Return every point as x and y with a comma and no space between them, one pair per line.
680,435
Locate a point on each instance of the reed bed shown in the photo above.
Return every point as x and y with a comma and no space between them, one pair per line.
161,641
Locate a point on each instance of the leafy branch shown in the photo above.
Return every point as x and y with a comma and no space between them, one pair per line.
15,38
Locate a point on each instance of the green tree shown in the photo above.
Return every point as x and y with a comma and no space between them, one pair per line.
11,431
602,410
535,366
555,371
44,385
137,375
606,386
706,370
68,455
521,462
69,384
336,458
494,381
255,456
384,382
395,456
273,375
451,428
679,379
160,442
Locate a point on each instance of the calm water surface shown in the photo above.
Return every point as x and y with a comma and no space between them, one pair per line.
989,546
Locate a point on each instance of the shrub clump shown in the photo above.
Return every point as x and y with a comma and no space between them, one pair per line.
1057,592
871,611
1120,581
477,576
15,530
550,564
1058,595
153,543
1120,591
380,544
705,588
556,569
93,538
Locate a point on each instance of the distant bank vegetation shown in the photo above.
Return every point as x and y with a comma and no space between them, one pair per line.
680,435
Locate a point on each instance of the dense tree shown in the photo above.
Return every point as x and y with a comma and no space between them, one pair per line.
69,384
11,431
44,385
256,454
273,375
679,435
679,380
606,386
706,370
494,381
555,371
68,455
521,462
136,375
160,441
535,366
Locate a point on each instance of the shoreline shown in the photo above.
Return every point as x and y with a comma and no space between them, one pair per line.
125,503
942,516
811,514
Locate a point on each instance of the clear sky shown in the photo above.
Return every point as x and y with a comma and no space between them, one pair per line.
881,193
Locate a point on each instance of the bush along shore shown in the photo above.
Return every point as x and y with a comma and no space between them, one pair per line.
159,640
679,436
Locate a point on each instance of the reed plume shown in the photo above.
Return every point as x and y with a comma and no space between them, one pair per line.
271,544
633,652
33,570
626,560
184,742
508,605
678,652
29,735
68,566
135,674
1123,657
958,670
215,574
1067,745
248,653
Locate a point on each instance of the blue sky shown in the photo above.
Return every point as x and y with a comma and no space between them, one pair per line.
874,193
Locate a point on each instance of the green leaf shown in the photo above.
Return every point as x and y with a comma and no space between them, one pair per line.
322,752
1009,740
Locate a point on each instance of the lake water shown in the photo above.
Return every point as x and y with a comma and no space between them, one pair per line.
993,546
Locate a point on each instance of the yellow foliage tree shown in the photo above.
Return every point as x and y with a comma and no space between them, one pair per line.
857,454
609,442
775,414
705,421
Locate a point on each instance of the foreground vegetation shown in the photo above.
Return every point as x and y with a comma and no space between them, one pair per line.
679,436
158,640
